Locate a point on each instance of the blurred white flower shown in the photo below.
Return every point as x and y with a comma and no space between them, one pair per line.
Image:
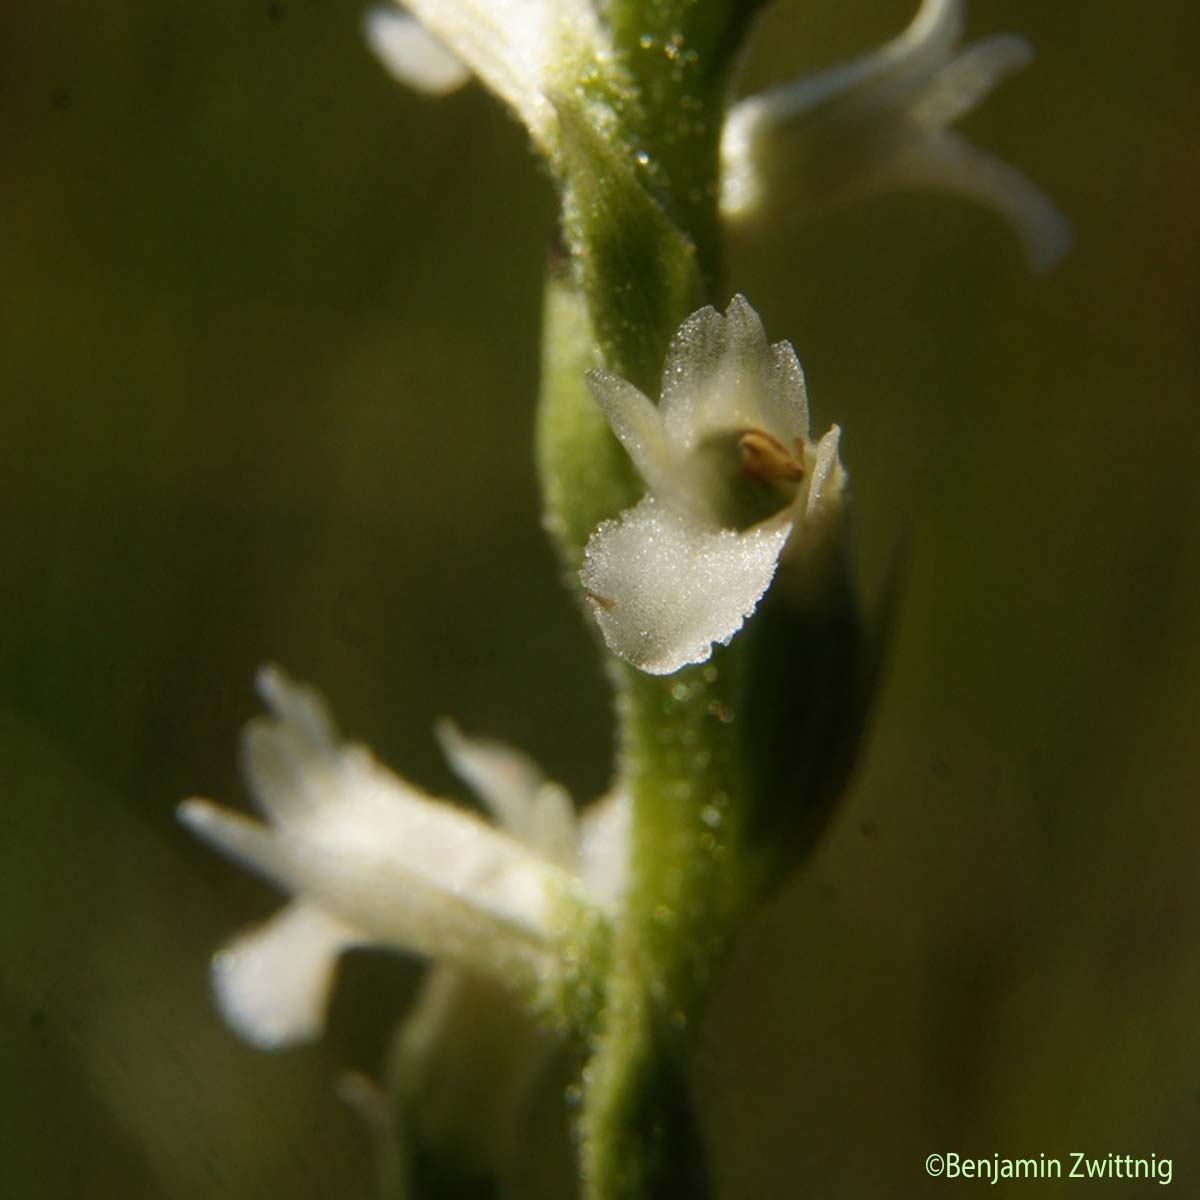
523,50
372,860
732,481
882,122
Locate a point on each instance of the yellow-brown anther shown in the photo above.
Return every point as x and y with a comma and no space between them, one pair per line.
768,460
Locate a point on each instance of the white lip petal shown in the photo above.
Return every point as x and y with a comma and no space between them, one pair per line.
413,56
665,585
272,984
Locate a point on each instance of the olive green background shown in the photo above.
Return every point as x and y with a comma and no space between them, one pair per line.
268,339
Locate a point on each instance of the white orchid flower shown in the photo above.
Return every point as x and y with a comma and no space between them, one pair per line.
733,482
523,50
372,860
882,122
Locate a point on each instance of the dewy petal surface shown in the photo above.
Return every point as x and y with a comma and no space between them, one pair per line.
665,585
721,377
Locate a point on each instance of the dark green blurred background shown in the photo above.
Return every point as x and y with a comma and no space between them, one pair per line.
269,335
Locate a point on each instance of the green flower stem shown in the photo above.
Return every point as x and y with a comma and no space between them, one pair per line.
678,54
711,796
637,269
679,761
693,877
586,476
641,1138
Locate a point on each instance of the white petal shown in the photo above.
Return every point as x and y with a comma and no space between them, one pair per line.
349,829
722,377
637,424
814,119
298,706
248,842
554,833
879,123
744,187
291,759
412,55
604,849
413,874
524,804
827,478
665,586
859,91
272,984
785,405
518,48
965,80
948,161
693,355
505,780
